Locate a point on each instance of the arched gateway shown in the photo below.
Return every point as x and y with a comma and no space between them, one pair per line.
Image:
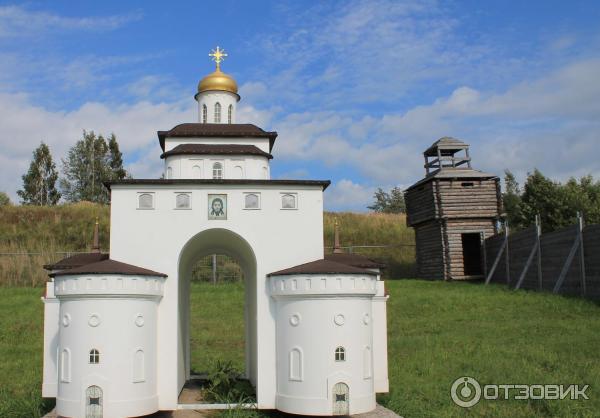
312,320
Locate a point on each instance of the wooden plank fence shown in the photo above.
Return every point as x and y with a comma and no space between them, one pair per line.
566,261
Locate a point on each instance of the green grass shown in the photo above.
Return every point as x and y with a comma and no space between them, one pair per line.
437,331
21,337
212,309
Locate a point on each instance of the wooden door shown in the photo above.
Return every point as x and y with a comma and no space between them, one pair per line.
341,399
93,404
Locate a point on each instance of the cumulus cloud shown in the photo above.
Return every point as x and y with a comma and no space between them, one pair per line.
25,125
347,195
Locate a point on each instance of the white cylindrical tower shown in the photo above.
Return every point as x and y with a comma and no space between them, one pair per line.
107,340
324,339
217,94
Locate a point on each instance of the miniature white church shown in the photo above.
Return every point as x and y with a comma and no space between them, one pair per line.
117,336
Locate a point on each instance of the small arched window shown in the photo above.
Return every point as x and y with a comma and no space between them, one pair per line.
288,201
146,201
94,356
204,114
217,171
217,112
251,201
183,201
229,113
196,172
340,354
169,172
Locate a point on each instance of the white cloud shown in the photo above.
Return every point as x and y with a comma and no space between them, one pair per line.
17,21
347,195
24,125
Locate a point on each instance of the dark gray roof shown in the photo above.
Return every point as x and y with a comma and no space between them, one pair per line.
454,173
354,260
447,146
216,149
222,130
250,182
108,267
322,267
76,260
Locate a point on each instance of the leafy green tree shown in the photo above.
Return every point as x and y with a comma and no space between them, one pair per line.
89,163
582,197
544,197
4,199
39,183
116,159
511,199
392,202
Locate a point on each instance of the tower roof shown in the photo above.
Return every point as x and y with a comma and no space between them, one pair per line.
216,149
322,267
108,266
447,146
229,130
218,80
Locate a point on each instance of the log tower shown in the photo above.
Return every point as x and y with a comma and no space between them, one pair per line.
453,209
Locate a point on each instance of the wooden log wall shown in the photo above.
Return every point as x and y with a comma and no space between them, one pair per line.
453,230
493,246
430,255
468,198
555,248
591,250
520,245
420,204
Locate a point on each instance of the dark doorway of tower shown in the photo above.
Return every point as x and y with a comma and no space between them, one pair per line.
217,294
471,248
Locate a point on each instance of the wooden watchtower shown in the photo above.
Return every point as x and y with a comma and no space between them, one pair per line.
453,209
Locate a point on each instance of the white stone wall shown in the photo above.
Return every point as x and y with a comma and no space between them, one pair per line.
201,167
51,312
260,143
315,315
380,354
116,315
210,98
278,238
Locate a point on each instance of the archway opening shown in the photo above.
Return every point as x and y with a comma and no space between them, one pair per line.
204,305
217,314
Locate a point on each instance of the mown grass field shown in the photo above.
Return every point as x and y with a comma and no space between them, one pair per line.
437,331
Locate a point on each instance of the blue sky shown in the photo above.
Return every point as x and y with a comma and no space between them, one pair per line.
356,89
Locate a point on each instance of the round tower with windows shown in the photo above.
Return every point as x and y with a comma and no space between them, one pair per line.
217,95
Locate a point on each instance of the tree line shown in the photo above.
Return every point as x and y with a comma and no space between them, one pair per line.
556,203
92,161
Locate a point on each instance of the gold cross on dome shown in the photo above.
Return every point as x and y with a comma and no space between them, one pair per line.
218,55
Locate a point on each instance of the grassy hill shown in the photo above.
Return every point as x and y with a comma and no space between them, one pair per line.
46,233
437,333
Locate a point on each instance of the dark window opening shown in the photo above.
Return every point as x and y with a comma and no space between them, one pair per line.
468,184
340,398
94,401
471,246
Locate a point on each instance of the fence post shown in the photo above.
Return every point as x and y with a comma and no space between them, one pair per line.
214,269
534,249
569,261
538,227
507,255
488,278
581,254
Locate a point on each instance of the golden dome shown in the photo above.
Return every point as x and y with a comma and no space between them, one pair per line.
218,81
